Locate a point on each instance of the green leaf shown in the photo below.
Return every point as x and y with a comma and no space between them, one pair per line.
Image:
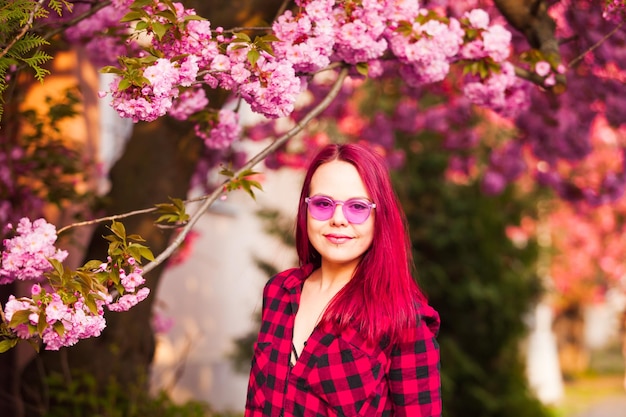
146,253
136,238
41,323
141,25
19,317
58,266
140,4
7,344
227,172
264,46
92,265
193,17
241,37
91,304
59,328
169,15
270,38
119,229
134,15
124,84
138,252
160,29
253,56
362,68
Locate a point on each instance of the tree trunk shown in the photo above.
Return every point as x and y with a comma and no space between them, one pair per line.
158,163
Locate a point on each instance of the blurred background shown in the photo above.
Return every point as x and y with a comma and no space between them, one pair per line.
528,277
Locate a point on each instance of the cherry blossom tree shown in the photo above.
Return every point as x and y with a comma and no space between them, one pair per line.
548,74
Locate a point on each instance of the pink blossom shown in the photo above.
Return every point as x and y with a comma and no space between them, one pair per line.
542,68
35,289
56,310
497,42
223,133
478,18
132,281
188,103
127,301
550,80
502,92
14,305
26,255
161,323
162,75
276,95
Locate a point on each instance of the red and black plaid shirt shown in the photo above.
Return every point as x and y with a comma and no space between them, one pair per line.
339,375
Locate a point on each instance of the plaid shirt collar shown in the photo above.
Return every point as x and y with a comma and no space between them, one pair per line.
295,280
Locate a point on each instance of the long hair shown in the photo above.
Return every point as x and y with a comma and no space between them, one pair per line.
381,298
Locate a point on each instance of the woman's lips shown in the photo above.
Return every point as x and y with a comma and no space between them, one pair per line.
337,239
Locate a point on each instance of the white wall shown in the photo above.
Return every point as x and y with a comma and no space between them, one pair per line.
213,296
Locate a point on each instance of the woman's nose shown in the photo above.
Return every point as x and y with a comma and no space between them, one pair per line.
338,217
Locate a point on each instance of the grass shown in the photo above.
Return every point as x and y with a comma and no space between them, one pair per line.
587,390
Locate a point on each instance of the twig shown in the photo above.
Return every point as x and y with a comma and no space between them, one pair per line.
595,45
96,7
106,219
282,9
25,29
210,198
249,165
250,28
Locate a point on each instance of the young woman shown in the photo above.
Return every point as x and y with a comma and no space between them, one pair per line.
348,333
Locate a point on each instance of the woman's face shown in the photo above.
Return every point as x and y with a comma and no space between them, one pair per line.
337,240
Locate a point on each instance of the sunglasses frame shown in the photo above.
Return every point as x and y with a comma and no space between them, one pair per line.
334,204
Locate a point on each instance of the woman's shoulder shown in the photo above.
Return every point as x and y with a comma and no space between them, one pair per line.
290,278
428,317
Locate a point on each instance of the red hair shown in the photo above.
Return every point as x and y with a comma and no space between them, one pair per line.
382,297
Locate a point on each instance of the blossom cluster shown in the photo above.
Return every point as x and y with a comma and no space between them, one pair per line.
501,90
544,69
63,323
98,31
270,72
127,288
61,314
155,98
615,10
25,256
220,134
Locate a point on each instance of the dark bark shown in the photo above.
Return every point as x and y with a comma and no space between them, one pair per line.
157,164
531,18
8,406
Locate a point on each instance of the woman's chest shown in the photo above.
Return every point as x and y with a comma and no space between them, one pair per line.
335,374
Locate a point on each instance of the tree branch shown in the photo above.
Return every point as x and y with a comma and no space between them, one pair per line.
25,29
595,45
210,199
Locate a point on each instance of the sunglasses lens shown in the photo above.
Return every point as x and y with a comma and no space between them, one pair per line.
356,211
321,208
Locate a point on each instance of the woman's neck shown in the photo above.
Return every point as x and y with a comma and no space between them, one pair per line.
332,276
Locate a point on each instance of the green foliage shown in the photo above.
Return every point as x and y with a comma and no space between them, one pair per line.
241,181
21,45
78,395
121,245
56,164
173,212
89,282
481,284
